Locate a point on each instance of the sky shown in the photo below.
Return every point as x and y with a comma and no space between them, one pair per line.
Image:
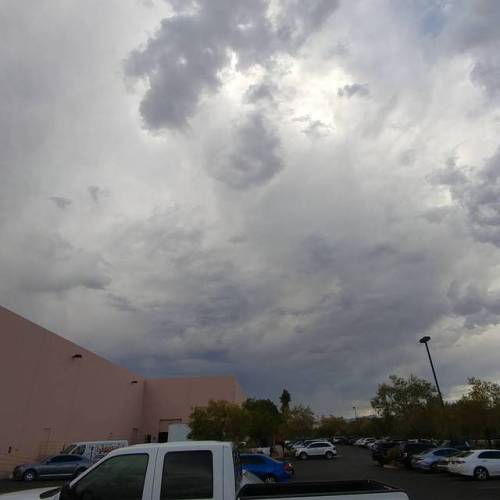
290,192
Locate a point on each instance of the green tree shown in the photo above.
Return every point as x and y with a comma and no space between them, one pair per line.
265,420
483,392
331,426
402,404
220,421
299,422
285,400
401,396
477,414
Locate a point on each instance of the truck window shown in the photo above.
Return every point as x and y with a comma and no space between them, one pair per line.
187,475
237,469
118,478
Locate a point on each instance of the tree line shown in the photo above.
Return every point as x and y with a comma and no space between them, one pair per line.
405,408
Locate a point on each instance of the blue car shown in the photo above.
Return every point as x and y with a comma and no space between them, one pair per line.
430,459
266,468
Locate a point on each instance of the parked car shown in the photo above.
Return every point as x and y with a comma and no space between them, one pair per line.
297,444
305,442
195,470
364,441
317,449
266,468
429,460
368,441
410,449
340,440
381,453
444,464
59,466
480,464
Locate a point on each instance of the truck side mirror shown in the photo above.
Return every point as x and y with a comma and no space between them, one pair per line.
67,493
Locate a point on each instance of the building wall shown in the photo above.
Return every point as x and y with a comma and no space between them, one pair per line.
172,400
49,398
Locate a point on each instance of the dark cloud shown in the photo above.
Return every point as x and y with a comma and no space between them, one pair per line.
478,305
61,202
477,191
255,157
185,57
296,20
360,89
317,129
187,53
451,175
313,128
96,193
64,266
486,74
260,92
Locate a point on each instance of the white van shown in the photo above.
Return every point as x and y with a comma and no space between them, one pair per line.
94,450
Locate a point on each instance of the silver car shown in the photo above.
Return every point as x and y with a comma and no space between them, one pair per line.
59,466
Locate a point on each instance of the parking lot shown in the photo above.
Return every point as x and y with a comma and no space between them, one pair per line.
356,463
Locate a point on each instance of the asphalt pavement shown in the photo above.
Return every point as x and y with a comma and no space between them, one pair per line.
356,463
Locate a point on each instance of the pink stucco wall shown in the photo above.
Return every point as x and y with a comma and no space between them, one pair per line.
49,399
175,398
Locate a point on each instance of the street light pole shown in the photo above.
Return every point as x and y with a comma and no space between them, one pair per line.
425,340
355,413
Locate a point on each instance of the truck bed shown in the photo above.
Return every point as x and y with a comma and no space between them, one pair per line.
347,489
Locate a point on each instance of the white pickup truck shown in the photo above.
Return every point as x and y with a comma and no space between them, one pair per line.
193,470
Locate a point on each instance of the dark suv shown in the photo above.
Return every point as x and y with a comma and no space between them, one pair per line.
410,449
381,452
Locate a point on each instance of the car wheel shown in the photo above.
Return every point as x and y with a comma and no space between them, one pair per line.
80,471
269,478
434,467
29,475
328,455
481,474
303,456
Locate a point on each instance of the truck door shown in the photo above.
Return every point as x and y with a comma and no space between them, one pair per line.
187,473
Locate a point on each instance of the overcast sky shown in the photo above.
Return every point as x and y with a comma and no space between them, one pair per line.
292,192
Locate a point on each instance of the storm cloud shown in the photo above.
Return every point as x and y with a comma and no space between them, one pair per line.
259,188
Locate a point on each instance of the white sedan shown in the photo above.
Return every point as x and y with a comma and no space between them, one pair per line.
317,449
480,464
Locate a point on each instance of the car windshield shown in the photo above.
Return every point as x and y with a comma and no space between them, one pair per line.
68,450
